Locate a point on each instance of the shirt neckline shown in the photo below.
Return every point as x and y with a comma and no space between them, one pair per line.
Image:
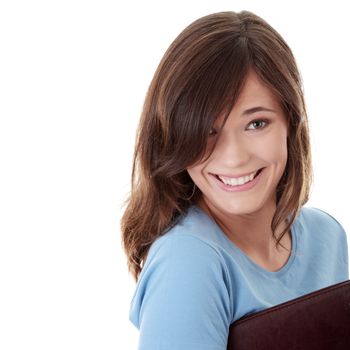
249,261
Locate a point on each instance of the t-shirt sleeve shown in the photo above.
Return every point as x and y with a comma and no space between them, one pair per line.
182,300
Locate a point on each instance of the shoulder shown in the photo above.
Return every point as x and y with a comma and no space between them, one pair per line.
186,256
181,251
318,217
193,236
321,223
323,236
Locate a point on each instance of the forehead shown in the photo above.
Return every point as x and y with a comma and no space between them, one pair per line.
256,93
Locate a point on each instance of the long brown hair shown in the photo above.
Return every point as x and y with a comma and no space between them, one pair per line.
200,76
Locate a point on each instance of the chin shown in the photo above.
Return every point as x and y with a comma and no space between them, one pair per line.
238,207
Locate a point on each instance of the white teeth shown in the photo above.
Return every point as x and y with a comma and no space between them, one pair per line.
237,181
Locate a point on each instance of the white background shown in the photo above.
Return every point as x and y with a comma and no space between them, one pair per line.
73,76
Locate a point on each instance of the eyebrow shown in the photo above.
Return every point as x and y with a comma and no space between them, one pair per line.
257,109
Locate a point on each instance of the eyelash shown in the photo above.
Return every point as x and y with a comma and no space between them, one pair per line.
264,121
259,120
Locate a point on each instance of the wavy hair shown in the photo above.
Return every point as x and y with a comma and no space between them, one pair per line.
201,75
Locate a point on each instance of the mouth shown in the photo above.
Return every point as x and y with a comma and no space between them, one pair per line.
238,181
238,184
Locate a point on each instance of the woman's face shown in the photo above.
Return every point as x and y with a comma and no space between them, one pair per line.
250,156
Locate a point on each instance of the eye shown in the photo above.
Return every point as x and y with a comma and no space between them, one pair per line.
257,124
212,132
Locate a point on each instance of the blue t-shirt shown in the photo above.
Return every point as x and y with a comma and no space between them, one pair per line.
196,282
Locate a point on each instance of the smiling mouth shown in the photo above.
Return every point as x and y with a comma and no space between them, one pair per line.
231,181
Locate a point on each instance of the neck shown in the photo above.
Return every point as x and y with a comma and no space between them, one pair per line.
252,233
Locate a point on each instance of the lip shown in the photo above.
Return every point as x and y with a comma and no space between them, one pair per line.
237,176
239,188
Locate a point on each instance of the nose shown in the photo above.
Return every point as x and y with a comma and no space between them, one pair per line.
232,151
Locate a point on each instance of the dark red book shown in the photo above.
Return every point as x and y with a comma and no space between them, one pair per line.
318,320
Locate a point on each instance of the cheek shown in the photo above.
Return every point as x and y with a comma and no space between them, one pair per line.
274,150
194,173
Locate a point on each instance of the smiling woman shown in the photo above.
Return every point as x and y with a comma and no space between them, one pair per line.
215,226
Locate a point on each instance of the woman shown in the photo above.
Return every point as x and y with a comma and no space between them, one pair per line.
215,226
